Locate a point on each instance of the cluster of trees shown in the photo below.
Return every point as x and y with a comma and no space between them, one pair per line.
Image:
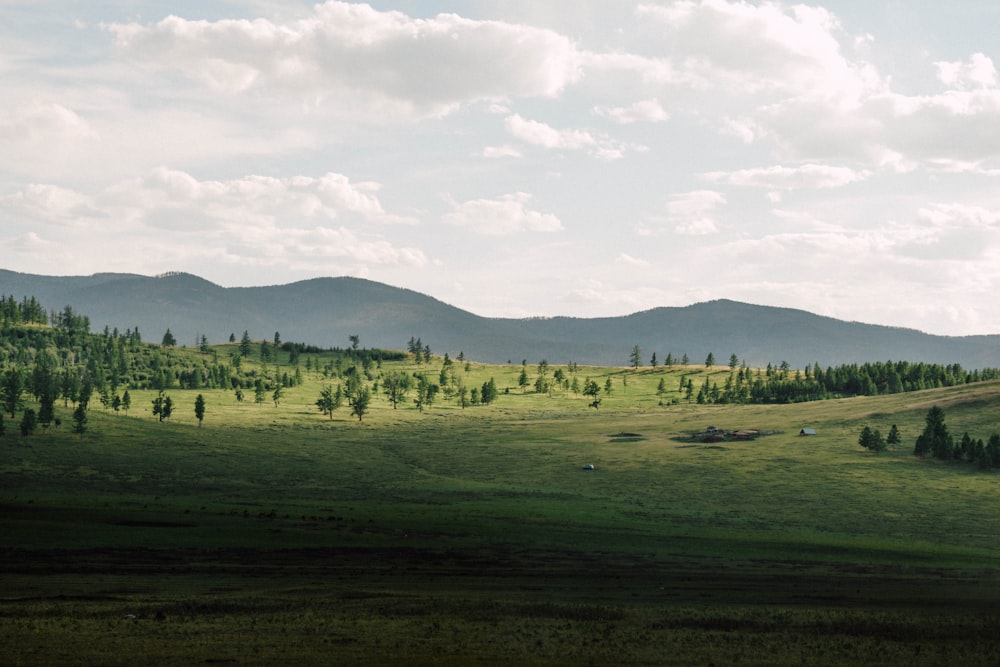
872,440
937,441
27,311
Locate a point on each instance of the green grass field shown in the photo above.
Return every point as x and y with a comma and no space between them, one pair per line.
272,535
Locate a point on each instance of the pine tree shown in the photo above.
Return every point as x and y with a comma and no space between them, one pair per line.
245,345
80,420
199,408
935,439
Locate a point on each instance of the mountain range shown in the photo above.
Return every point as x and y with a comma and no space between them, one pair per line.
325,311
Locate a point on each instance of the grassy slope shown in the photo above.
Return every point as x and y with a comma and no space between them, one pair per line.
472,535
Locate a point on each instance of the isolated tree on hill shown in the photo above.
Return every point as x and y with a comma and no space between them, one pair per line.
635,358
330,400
29,421
733,361
935,438
277,339
661,388
46,408
360,399
426,391
395,385
710,360
522,379
232,337
669,361
276,395
592,390
685,360
894,437
488,393
608,386
126,401
199,408
355,341
245,344
80,420
168,339
542,382
652,360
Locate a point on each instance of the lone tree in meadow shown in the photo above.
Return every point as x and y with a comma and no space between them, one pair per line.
395,385
592,390
163,406
168,339
29,421
935,439
329,400
360,399
635,358
80,420
199,408
488,392
710,360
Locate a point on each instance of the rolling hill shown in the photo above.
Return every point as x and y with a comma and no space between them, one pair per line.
325,311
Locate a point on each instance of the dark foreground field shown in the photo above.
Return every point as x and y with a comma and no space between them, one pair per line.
406,605
474,537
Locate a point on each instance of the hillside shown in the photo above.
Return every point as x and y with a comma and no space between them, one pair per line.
325,311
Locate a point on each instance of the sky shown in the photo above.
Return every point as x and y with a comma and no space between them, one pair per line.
517,158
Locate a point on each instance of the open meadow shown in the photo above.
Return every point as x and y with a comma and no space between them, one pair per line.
271,534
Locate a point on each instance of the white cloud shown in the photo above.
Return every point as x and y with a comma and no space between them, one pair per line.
789,178
628,260
960,216
742,47
245,220
501,152
167,197
979,72
541,134
692,213
649,111
502,216
354,55
47,121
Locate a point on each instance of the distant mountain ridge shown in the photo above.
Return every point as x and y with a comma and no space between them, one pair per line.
325,311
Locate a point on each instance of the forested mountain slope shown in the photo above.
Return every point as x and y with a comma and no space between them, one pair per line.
325,311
